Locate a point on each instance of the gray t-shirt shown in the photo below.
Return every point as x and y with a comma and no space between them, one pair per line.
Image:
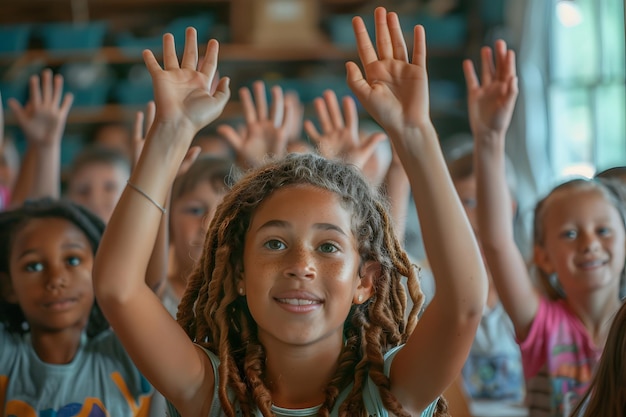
101,380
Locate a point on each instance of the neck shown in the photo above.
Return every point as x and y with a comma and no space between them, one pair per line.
297,377
596,313
56,347
178,279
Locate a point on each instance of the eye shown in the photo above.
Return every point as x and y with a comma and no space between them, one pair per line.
604,231
196,211
34,267
328,248
274,244
73,261
569,234
469,203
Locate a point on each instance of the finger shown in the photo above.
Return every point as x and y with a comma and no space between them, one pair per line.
67,104
231,136
419,46
383,37
151,62
170,60
471,79
150,115
222,91
138,126
365,49
189,159
500,61
249,112
369,144
356,82
190,53
311,131
321,109
35,90
18,111
260,99
397,37
352,119
332,104
487,67
209,63
46,85
57,91
289,119
277,112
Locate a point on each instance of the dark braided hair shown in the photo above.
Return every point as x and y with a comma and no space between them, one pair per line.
12,221
216,317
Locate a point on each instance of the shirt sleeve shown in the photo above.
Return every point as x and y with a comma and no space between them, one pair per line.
533,347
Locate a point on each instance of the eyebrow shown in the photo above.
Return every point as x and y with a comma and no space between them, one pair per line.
70,245
286,225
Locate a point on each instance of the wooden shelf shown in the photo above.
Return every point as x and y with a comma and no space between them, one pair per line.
228,52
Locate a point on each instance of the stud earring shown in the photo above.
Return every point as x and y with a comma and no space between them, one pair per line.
360,298
240,290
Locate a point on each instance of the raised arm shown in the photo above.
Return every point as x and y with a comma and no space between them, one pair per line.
395,92
155,342
265,133
490,104
42,120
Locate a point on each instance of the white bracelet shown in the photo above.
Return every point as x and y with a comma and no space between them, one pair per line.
143,193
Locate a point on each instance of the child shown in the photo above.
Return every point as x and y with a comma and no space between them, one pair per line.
579,241
58,355
493,370
297,305
606,395
97,178
195,197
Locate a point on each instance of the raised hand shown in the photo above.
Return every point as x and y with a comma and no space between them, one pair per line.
340,138
182,91
491,102
394,91
43,117
264,134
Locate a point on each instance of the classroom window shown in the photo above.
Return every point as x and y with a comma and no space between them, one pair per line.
587,97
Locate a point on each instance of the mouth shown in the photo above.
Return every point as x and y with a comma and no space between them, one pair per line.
298,301
60,305
592,264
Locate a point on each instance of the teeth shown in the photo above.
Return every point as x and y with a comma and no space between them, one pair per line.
297,301
592,264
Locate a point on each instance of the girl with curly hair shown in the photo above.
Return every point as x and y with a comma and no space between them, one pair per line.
297,306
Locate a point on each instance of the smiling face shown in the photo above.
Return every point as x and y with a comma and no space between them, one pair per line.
584,241
301,267
50,269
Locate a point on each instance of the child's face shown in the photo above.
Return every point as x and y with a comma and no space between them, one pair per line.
584,241
50,268
98,187
301,266
190,217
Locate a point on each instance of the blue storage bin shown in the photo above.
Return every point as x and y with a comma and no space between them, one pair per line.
446,32
136,89
133,46
90,83
14,38
60,37
492,12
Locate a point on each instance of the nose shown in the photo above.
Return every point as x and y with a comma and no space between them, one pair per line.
299,263
56,277
589,242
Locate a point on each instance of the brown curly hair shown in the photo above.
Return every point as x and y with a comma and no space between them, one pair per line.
216,317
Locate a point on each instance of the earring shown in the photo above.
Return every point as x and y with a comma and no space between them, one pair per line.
360,298
240,290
